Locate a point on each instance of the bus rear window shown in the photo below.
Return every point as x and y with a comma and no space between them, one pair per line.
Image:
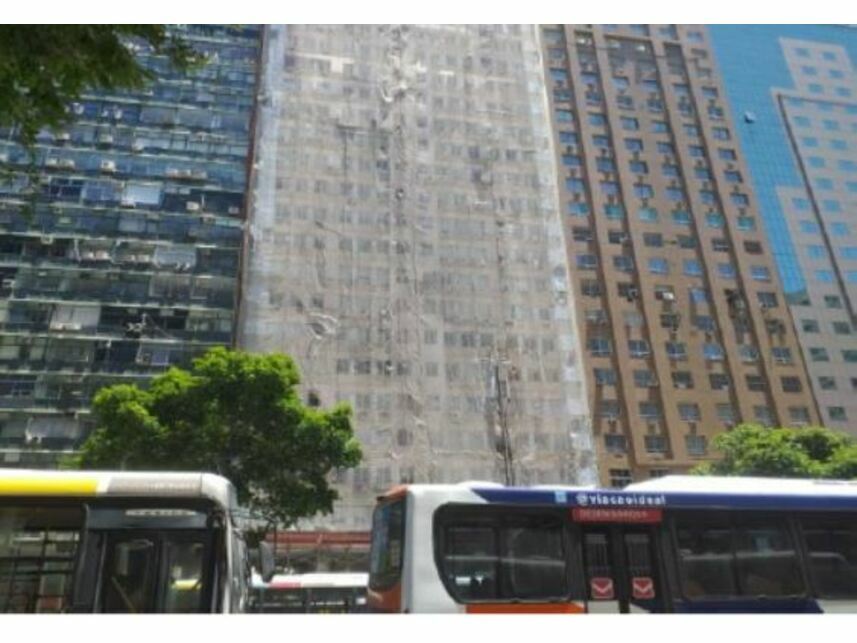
487,555
388,534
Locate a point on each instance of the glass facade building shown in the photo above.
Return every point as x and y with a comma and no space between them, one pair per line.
796,117
126,260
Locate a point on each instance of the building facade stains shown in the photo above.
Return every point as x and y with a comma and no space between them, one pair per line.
126,262
405,246
686,328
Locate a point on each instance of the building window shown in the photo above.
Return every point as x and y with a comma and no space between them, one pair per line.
692,268
649,215
653,239
599,347
832,301
718,381
842,328
818,354
605,376
644,379
767,299
827,383
837,413
799,415
681,217
676,351
633,144
638,348
755,383
620,478
746,223
726,414
781,355
649,411
587,262
615,443
849,356
639,167
656,443
791,384
630,123
696,445
763,415
760,273
689,412
658,266
682,379
712,352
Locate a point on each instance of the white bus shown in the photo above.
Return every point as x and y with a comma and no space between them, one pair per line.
313,593
673,544
121,542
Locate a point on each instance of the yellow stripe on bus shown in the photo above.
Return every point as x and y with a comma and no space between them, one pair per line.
48,487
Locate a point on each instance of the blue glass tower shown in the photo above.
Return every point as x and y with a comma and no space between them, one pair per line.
793,91
128,261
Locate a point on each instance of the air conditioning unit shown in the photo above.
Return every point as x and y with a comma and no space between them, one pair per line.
192,206
77,108
52,162
127,203
67,164
199,174
137,146
234,209
108,166
105,139
666,295
63,137
117,114
172,172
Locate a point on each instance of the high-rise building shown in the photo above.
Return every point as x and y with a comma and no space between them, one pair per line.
126,260
686,328
406,247
796,119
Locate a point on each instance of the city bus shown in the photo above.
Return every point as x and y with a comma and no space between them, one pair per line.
121,543
313,593
673,544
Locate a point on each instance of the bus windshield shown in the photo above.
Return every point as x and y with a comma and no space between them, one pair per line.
87,556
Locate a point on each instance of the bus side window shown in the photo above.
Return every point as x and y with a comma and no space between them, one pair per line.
737,555
831,543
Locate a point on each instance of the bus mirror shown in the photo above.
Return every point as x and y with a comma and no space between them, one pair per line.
266,561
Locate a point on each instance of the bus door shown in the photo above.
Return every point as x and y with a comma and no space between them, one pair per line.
621,568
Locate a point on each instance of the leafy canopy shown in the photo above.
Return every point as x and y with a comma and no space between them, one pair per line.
43,68
813,452
235,414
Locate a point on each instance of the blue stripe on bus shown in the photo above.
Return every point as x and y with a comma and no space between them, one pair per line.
678,500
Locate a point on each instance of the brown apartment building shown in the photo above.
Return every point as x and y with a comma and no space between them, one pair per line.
685,328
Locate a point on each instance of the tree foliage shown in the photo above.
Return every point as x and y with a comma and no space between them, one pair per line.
235,414
813,452
43,68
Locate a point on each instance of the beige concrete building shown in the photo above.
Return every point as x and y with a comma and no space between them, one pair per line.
686,328
406,246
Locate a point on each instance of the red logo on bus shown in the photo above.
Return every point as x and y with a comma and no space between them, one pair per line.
642,587
601,588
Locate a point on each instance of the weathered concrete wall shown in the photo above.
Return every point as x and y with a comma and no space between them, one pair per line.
405,246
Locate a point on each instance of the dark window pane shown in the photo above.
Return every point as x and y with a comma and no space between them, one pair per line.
705,558
832,548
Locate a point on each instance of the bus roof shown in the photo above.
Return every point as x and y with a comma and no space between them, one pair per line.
82,484
703,492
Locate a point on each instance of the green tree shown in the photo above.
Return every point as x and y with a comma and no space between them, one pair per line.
813,452
44,68
233,413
